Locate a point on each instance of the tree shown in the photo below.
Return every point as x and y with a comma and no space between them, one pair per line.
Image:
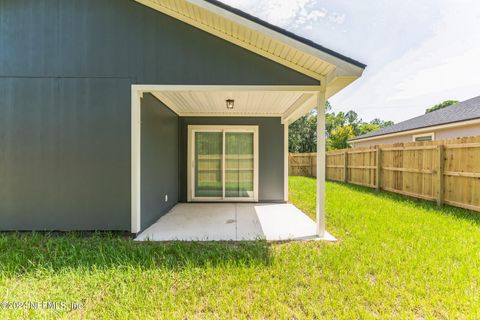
302,134
366,128
381,123
442,105
340,127
374,125
338,138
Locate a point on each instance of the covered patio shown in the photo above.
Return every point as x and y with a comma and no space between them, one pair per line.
233,222
223,217
210,156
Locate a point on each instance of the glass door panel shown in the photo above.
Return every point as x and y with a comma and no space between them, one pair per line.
208,164
239,165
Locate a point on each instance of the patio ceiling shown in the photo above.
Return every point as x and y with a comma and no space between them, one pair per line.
264,103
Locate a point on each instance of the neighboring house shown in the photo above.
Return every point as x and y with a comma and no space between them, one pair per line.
113,111
459,120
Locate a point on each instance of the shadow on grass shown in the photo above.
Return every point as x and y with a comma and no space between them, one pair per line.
456,212
22,253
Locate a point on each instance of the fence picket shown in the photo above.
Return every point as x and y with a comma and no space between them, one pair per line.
445,171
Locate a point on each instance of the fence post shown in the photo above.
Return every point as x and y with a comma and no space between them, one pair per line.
378,172
440,171
313,160
345,166
289,164
326,166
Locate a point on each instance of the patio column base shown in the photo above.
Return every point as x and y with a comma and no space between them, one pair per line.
326,237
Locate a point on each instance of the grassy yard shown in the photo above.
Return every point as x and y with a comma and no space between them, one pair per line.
395,258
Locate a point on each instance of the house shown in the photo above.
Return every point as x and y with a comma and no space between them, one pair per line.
114,111
458,120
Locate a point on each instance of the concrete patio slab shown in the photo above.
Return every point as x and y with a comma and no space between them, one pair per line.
232,222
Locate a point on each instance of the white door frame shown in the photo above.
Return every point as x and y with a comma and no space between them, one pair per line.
192,129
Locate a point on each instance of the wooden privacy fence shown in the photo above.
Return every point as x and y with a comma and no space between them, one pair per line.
302,164
445,171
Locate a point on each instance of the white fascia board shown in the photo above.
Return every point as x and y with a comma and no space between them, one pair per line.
339,63
337,84
209,29
298,110
206,88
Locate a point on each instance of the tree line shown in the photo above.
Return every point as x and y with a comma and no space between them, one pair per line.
340,127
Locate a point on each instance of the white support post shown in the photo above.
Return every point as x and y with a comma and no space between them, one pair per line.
285,164
321,144
136,157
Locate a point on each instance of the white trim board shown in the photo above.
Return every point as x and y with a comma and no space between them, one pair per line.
321,171
136,161
285,162
271,88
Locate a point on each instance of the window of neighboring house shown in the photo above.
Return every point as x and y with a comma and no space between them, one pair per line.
424,137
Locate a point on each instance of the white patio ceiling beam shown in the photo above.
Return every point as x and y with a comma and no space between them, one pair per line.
301,107
206,88
291,103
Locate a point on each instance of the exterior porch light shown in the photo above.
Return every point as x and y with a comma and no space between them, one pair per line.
230,104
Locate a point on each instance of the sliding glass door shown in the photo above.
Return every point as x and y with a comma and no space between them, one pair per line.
208,164
224,163
239,165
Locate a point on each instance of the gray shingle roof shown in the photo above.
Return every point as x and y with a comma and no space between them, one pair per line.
462,111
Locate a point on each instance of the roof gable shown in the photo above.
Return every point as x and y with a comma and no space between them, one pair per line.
262,38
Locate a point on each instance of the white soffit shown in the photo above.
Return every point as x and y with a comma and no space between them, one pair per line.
247,103
257,38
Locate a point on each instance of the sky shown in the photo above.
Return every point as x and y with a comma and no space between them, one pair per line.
419,53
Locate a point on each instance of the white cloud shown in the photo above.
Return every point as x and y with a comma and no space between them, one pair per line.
450,58
460,70
338,18
288,14
443,66
309,17
418,52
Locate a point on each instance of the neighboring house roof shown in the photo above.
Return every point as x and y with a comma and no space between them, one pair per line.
459,112
265,39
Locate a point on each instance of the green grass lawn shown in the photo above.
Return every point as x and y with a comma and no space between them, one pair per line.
395,257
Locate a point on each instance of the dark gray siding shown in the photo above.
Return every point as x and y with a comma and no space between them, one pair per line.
271,156
64,154
159,160
121,38
66,68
